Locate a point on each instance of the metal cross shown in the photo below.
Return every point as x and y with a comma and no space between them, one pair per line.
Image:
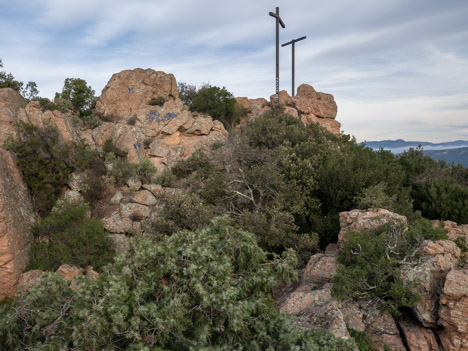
293,42
279,22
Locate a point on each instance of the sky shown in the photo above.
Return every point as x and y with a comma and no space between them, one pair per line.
397,68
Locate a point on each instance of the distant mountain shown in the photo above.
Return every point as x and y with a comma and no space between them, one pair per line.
459,155
456,151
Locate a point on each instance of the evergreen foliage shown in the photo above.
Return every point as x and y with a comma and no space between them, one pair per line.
371,263
69,235
79,94
203,290
7,80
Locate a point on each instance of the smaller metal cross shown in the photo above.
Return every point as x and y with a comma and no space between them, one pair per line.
293,42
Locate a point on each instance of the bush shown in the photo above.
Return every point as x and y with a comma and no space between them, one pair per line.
371,263
145,170
218,103
46,162
186,92
166,178
7,80
81,96
68,235
204,290
157,101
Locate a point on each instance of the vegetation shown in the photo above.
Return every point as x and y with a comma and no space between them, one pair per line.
203,290
371,263
69,235
7,80
79,94
157,101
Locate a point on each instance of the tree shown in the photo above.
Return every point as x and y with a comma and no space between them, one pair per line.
79,93
186,92
7,80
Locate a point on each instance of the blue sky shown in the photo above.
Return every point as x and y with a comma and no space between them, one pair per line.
397,68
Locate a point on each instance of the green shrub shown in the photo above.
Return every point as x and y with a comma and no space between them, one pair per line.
218,103
28,91
145,170
204,290
46,162
79,94
166,178
186,92
157,101
371,263
109,147
362,340
68,235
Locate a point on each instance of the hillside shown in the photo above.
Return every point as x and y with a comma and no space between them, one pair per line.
160,218
458,155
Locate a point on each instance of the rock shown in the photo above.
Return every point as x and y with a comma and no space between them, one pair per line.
134,212
306,91
352,315
11,106
417,337
381,328
115,200
29,279
316,309
129,92
177,122
359,220
73,197
115,223
145,197
69,272
77,180
453,310
320,269
243,102
155,189
329,124
134,183
438,258
291,111
16,220
201,126
90,273
283,98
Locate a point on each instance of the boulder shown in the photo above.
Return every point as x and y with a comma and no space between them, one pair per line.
16,219
29,279
145,197
359,220
329,124
320,269
417,337
129,92
438,258
306,91
453,311
283,98
11,109
69,272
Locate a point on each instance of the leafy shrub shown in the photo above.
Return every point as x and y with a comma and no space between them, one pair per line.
46,162
68,235
362,340
145,170
110,147
166,178
28,91
186,92
371,263
204,290
218,103
157,101
81,96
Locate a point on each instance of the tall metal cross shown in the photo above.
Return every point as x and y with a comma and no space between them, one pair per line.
293,42
279,22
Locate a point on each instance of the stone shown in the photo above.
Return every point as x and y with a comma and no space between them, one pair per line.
134,212
329,124
129,92
76,181
438,259
134,183
91,273
115,223
381,328
283,98
177,122
11,106
69,272
73,197
316,309
155,189
320,269
16,220
453,310
417,337
116,198
320,104
243,102
291,111
306,91
29,279
201,126
360,220
145,197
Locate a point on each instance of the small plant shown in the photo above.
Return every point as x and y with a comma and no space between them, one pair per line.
110,147
145,170
361,339
131,120
461,243
157,101
166,178
147,142
68,235
91,121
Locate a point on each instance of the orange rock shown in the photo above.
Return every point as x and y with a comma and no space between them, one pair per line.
16,219
417,337
69,272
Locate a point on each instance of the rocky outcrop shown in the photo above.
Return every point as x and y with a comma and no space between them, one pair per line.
129,93
11,111
308,105
439,320
16,219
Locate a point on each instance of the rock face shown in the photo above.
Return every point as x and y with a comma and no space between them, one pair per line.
129,92
308,105
11,108
16,219
439,320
